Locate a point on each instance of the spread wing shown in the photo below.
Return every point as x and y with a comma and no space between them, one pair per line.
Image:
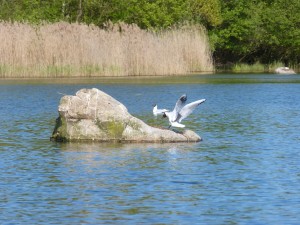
178,106
188,109
180,103
157,111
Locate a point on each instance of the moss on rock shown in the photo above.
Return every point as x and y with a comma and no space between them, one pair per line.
59,133
114,129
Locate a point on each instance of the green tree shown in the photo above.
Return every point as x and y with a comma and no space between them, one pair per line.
148,14
31,10
234,37
204,12
153,13
265,31
279,38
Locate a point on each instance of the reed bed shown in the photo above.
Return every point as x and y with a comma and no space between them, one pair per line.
77,50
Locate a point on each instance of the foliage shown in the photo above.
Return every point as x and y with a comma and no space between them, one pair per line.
258,31
30,10
240,31
282,41
146,13
153,14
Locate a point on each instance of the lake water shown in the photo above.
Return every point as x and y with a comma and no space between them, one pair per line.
245,171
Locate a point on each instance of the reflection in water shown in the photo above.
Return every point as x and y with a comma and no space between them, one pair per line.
147,169
245,171
127,147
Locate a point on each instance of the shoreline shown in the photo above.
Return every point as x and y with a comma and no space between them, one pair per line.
192,78
92,79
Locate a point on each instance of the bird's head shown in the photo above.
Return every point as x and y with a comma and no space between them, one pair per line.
164,115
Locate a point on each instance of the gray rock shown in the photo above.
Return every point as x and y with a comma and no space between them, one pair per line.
284,70
92,115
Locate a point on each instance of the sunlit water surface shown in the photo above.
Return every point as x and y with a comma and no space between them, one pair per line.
245,171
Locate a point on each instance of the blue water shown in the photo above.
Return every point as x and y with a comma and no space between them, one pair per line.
245,171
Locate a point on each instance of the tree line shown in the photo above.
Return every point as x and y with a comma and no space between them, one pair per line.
240,31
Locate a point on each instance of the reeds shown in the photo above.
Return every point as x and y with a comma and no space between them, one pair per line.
77,50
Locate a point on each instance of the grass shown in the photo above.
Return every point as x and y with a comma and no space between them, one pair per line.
256,67
245,68
78,50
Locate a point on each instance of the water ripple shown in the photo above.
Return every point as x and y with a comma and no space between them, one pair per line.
246,171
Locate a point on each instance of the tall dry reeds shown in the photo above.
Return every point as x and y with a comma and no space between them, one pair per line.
73,50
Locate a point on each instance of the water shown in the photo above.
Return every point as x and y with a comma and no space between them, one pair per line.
245,171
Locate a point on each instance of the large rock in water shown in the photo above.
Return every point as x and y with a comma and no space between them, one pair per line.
92,115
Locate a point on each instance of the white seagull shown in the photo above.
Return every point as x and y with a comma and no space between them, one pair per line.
157,111
181,111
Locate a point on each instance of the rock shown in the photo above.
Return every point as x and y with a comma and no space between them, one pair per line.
284,70
92,115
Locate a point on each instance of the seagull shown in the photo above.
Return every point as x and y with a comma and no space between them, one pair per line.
181,111
157,111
